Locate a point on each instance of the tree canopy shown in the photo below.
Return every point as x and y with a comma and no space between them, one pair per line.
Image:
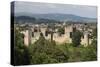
76,38
44,51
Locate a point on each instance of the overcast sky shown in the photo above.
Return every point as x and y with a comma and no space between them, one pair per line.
44,8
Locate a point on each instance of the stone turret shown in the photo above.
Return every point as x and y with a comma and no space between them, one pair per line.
27,37
68,30
86,37
85,40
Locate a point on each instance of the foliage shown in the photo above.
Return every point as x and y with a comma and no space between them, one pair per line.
76,38
44,51
88,53
21,53
61,30
80,53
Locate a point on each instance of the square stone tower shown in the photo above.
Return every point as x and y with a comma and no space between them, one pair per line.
27,37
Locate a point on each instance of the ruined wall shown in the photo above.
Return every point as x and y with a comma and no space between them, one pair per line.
64,38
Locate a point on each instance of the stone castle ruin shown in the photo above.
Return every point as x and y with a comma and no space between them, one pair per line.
32,35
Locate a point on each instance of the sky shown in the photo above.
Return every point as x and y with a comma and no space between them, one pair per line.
45,8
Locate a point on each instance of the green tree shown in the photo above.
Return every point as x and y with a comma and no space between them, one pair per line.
44,51
61,30
21,52
88,53
76,38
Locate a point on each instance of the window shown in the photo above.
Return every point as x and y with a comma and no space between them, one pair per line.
70,34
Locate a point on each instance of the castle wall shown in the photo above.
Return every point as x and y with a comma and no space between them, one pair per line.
64,38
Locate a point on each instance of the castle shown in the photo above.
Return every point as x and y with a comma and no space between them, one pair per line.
32,35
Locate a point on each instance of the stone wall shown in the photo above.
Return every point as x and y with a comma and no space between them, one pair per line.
64,38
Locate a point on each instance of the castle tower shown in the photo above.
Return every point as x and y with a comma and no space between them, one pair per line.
86,38
68,30
27,37
68,33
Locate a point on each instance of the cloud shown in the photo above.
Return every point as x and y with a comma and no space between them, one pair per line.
35,7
